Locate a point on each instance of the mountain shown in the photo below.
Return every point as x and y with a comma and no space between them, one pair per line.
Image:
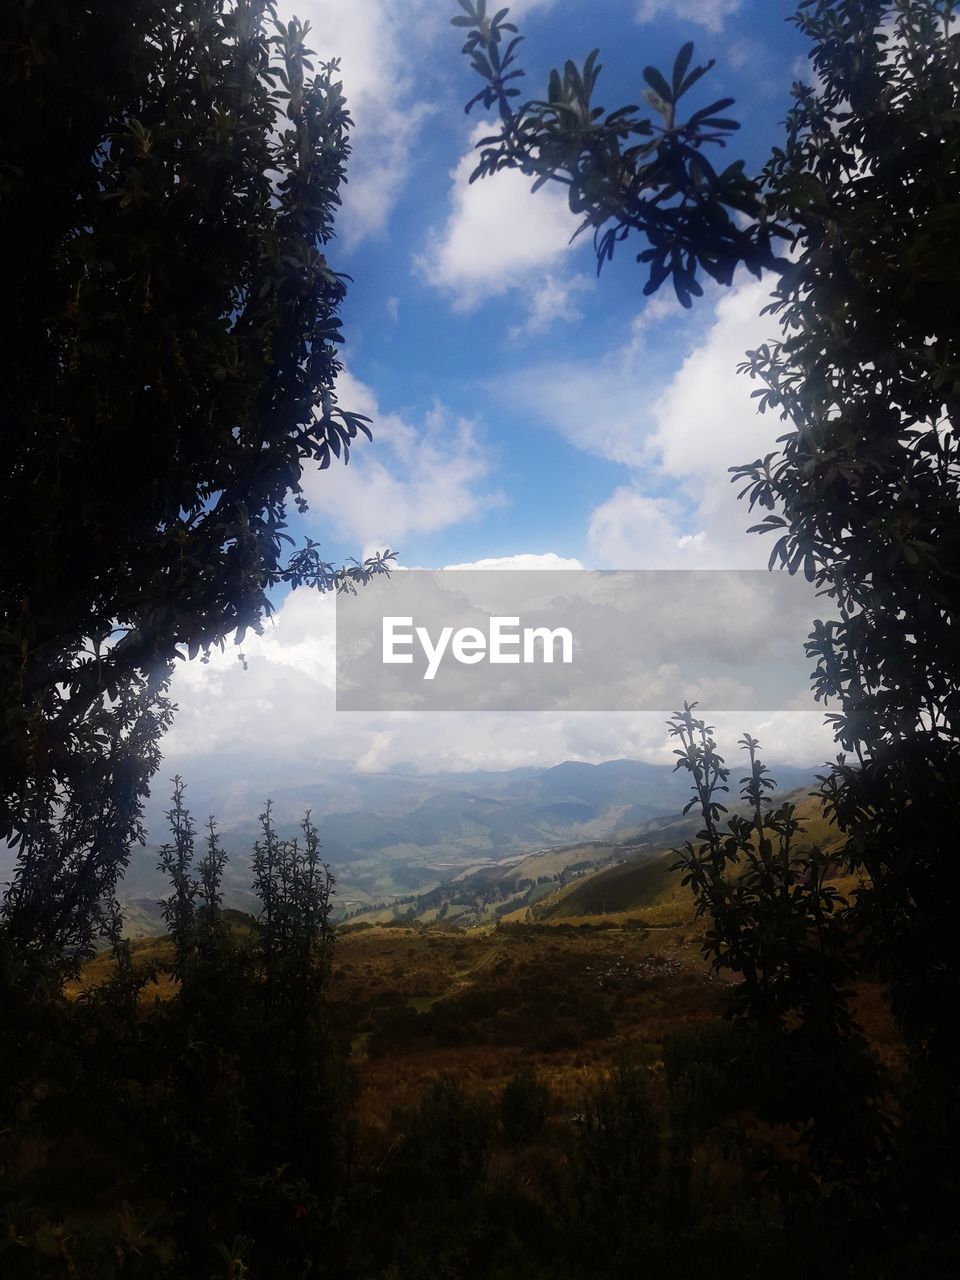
639,880
403,834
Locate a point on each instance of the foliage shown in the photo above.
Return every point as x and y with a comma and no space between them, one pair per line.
146,1142
169,176
524,1105
619,1152
864,492
709,1074
224,1114
623,173
446,1141
862,495
294,886
775,921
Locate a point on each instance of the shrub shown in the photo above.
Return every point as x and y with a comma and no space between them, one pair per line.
524,1105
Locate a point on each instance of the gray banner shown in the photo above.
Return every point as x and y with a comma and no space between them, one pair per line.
533,640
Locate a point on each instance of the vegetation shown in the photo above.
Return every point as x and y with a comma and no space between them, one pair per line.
778,924
534,1100
169,177
865,491
213,1124
624,174
863,495
707,1076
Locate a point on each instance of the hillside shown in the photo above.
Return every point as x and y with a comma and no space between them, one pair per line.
570,994
598,878
592,1012
399,837
641,883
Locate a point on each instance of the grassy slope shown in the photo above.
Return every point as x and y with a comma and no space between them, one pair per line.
646,890
567,994
643,886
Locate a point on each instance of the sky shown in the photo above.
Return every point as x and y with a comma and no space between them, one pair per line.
526,413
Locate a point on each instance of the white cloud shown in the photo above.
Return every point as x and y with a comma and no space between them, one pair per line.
552,303
289,678
634,531
276,721
658,311
604,405
386,51
525,560
706,421
498,235
382,48
522,8
417,479
705,13
675,429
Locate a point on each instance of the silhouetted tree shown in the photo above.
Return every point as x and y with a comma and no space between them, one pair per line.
864,492
169,175
776,921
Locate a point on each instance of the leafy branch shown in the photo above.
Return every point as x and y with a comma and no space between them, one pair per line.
625,172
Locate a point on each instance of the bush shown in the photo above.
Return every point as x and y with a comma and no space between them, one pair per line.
708,1072
524,1105
445,1141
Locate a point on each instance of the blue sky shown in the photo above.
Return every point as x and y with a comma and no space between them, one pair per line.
525,411
473,323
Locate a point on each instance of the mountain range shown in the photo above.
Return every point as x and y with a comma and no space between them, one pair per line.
402,832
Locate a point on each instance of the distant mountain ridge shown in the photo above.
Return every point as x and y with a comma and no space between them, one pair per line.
398,833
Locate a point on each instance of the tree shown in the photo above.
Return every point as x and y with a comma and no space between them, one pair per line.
169,175
227,1102
778,923
864,491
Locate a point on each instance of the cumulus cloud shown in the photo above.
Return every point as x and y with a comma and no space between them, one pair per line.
705,13
523,8
417,479
604,404
552,303
497,241
385,51
634,531
705,417
676,428
275,723
498,236
600,406
706,421
524,560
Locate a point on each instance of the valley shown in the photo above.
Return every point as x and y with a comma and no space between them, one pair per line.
465,848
